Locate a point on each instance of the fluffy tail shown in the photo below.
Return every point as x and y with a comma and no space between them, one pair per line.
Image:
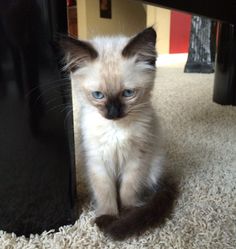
138,220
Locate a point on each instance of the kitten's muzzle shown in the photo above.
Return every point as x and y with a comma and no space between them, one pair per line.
114,110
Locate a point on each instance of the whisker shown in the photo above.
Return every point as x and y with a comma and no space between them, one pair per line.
49,89
48,84
70,107
55,107
67,116
57,98
140,105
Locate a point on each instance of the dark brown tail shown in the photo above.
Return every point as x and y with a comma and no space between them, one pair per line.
138,220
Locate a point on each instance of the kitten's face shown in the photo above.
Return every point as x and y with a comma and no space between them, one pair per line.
115,75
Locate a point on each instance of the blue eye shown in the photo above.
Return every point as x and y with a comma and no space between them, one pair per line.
128,93
98,95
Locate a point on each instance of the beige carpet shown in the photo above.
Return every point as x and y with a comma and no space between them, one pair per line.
201,144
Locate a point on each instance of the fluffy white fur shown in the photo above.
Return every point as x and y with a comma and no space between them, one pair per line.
127,150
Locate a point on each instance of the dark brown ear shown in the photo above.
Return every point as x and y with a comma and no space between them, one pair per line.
143,46
77,52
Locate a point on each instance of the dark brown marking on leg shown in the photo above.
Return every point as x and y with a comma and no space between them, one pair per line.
104,221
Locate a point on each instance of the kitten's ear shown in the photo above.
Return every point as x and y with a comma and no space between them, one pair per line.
143,46
77,52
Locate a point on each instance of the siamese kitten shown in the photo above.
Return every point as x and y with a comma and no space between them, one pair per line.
120,133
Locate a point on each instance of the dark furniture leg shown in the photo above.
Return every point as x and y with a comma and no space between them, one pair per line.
225,73
37,171
200,46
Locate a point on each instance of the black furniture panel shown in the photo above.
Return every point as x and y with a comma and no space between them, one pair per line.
225,73
220,10
37,179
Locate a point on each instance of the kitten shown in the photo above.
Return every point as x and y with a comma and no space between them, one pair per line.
120,133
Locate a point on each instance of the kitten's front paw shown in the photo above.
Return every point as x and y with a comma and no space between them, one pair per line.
104,221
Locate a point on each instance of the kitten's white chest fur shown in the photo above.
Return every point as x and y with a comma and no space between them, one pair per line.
107,141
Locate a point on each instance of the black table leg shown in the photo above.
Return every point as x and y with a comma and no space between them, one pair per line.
37,174
225,73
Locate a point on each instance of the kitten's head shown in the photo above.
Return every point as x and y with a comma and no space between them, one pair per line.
115,75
